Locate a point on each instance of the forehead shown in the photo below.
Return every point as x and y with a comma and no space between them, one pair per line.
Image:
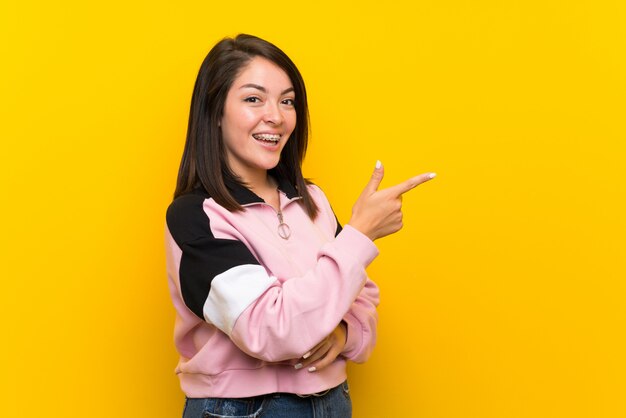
264,73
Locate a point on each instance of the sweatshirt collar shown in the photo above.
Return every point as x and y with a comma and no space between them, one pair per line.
245,196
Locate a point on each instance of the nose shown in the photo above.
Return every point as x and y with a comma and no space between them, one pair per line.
273,114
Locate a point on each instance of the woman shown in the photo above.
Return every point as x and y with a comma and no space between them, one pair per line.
270,292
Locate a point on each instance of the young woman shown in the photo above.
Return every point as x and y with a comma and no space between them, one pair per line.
271,293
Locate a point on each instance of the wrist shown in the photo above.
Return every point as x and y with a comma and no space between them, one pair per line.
363,230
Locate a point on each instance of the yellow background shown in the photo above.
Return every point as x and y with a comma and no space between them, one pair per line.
504,296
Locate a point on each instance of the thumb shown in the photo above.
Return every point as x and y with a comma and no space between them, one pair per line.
377,177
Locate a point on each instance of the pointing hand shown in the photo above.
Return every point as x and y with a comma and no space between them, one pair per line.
378,213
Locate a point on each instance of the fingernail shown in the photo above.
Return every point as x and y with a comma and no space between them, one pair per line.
306,356
432,175
378,164
312,369
298,366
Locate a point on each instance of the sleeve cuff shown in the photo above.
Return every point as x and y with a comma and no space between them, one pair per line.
358,244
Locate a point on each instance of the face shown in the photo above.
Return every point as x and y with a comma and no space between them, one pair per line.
259,116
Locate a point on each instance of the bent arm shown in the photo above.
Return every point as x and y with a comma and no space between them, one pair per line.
287,320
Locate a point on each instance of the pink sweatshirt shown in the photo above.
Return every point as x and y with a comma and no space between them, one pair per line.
249,303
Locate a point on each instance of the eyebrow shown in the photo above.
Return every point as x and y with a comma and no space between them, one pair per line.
263,89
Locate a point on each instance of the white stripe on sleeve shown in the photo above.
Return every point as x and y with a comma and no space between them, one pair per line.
232,292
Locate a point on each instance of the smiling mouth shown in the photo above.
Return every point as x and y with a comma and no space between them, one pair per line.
268,138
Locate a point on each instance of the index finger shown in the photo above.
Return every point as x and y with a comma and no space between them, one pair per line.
411,183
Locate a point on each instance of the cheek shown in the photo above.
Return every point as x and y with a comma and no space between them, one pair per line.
249,116
239,118
291,120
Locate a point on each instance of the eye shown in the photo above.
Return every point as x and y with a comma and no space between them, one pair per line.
289,102
252,99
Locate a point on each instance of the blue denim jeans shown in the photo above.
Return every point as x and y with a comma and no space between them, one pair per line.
335,403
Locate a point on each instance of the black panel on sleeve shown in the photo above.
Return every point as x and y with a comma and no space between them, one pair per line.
339,228
204,256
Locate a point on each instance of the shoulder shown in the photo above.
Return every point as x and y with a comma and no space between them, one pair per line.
316,192
186,218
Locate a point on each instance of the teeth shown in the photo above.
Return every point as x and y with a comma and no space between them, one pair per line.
267,137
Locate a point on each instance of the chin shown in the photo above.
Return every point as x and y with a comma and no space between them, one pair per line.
271,164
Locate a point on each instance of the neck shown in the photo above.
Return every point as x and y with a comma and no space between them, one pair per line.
261,183
266,188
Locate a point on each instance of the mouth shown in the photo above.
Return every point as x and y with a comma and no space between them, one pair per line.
267,138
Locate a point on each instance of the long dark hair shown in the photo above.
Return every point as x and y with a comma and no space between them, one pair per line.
204,161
